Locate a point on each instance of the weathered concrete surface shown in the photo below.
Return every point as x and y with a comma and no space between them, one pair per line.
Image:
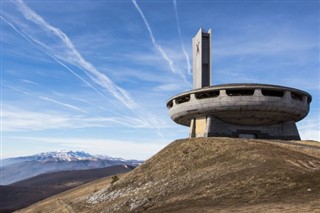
201,49
249,110
265,111
284,130
236,110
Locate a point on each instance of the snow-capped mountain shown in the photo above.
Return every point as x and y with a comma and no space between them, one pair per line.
63,156
16,169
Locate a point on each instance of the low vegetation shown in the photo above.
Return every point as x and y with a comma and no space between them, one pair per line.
114,179
26,192
208,175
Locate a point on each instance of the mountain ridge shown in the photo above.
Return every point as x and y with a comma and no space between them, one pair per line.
16,169
61,156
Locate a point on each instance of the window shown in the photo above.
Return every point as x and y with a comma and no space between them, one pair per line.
208,94
309,100
170,104
182,99
296,96
240,92
272,93
249,136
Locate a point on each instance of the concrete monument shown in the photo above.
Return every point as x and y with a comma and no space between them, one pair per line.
236,110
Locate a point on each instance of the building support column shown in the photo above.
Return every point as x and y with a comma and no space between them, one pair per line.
192,130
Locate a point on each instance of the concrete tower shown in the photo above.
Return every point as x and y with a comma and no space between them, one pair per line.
236,110
201,48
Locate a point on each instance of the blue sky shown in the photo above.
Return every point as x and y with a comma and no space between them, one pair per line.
96,75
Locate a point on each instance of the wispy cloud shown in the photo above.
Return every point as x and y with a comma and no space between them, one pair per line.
129,149
309,128
61,103
70,106
33,40
310,134
154,42
94,105
84,119
71,55
169,87
85,81
28,81
180,35
16,119
62,50
16,89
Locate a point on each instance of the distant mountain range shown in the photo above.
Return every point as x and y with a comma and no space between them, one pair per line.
20,168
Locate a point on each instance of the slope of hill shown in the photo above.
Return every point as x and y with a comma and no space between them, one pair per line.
209,175
29,191
20,168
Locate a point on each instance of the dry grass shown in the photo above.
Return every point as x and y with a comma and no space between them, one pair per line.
207,175
62,202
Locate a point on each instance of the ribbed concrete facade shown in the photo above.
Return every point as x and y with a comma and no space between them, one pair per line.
236,110
241,110
284,130
201,46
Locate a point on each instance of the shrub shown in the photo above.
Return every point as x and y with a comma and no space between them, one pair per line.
114,179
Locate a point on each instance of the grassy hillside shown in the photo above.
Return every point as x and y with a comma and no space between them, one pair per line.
26,192
211,174
62,202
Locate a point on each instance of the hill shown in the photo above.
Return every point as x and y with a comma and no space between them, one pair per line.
24,193
20,168
209,175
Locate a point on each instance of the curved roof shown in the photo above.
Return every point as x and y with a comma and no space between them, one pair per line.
244,86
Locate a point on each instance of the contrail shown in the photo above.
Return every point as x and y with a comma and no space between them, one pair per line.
155,44
76,57
71,55
62,104
57,60
47,99
92,104
181,40
98,121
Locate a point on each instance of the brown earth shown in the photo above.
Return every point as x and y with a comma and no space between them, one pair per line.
26,192
208,175
62,202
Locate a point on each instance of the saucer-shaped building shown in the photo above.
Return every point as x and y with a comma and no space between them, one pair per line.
236,110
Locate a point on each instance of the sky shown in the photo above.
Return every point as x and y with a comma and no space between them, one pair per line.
95,75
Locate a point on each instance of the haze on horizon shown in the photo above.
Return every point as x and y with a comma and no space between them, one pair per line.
95,75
